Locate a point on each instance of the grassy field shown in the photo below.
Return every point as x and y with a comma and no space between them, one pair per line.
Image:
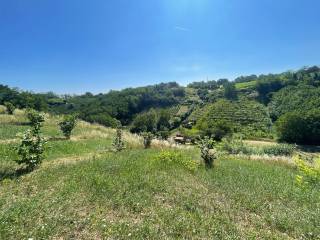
84,191
245,85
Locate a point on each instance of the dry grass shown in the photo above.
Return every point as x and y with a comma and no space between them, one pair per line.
267,158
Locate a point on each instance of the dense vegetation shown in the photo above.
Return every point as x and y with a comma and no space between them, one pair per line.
249,105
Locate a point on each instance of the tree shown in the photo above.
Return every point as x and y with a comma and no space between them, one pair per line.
10,107
299,127
230,91
68,124
145,122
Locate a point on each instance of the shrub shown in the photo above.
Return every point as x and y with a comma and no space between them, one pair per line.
10,107
147,139
233,145
36,119
300,127
31,149
279,150
3,109
309,176
169,157
208,153
68,124
163,134
118,143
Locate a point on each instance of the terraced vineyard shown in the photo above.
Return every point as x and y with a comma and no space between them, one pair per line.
247,117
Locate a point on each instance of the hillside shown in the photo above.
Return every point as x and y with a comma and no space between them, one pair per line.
262,100
84,191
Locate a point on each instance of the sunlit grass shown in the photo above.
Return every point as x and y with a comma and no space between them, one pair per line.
83,190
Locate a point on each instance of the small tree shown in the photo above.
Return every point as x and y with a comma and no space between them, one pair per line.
10,107
118,143
208,153
32,146
31,149
147,139
68,124
36,120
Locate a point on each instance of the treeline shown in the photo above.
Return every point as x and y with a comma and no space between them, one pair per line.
264,105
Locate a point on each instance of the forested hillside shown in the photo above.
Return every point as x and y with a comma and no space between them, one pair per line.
264,106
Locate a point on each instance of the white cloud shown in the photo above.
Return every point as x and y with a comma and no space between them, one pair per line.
183,29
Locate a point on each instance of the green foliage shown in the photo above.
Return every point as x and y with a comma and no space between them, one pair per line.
10,107
294,98
31,149
236,145
118,143
103,119
68,124
309,176
266,86
145,122
170,157
230,91
300,127
147,139
279,150
151,121
224,117
36,119
208,153
233,145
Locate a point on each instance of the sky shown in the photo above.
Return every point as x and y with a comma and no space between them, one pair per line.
78,46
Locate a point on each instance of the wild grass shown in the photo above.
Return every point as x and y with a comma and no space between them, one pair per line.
128,196
84,191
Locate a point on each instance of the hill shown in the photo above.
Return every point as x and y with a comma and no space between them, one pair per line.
274,95
84,191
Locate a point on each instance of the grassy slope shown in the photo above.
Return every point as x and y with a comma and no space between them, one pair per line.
246,85
84,192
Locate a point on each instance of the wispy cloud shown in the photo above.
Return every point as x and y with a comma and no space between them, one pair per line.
183,29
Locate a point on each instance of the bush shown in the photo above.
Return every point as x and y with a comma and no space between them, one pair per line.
233,145
36,119
68,124
208,153
10,107
118,143
147,139
164,134
300,127
309,176
102,118
279,150
169,157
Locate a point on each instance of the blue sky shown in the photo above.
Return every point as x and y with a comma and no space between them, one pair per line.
75,46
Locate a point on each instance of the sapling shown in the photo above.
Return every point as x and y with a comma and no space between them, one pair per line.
118,143
208,153
147,139
32,146
68,124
